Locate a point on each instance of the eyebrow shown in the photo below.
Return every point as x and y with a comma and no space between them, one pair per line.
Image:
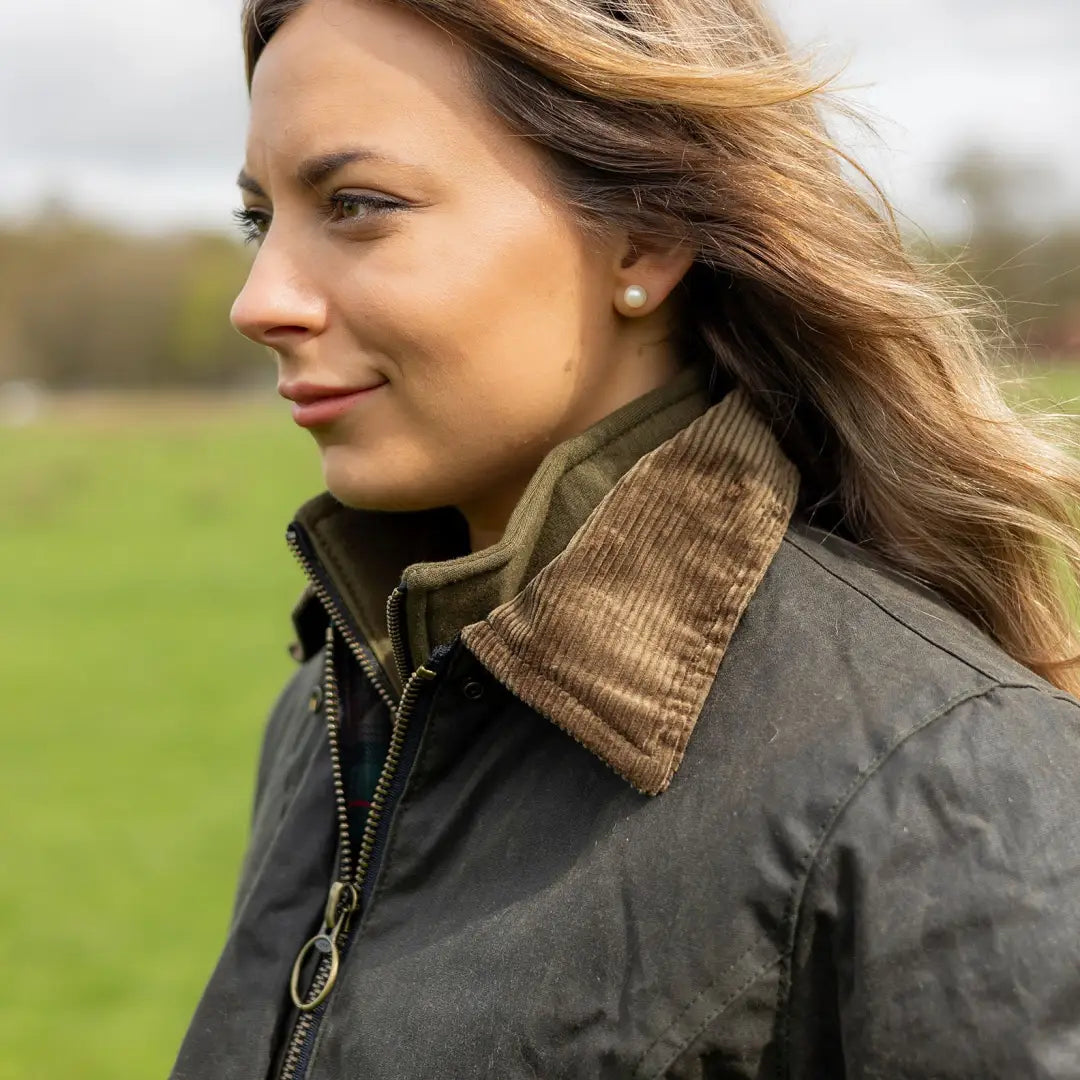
248,183
317,170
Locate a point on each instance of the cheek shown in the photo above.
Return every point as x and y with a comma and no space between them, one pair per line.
498,374
494,319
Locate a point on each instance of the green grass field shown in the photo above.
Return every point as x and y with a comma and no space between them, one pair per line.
146,588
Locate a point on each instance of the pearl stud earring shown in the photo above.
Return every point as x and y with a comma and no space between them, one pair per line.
635,296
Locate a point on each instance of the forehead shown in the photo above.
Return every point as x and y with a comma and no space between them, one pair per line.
342,72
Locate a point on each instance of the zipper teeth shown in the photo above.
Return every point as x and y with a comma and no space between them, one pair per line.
402,713
303,1026
393,627
386,777
342,625
333,724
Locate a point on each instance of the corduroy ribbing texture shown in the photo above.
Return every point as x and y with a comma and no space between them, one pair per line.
619,638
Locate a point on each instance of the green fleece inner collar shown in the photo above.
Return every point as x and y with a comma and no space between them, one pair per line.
368,553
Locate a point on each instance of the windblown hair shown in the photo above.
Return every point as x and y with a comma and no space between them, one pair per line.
690,121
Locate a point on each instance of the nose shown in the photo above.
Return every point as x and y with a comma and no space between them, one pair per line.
277,306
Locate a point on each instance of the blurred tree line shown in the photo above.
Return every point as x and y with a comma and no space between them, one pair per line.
83,305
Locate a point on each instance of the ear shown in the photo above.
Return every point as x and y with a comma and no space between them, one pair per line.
658,266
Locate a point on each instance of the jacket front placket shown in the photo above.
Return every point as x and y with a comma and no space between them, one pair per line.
358,851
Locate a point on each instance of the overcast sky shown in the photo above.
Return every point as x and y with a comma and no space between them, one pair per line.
134,110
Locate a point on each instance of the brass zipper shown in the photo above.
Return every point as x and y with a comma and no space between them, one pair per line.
393,628
344,897
337,618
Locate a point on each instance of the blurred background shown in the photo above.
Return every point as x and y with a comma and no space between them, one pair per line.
147,470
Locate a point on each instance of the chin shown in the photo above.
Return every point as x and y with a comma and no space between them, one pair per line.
371,488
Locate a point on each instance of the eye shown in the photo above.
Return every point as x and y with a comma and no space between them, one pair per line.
252,223
348,206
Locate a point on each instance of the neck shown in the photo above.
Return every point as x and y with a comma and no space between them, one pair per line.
487,520
488,516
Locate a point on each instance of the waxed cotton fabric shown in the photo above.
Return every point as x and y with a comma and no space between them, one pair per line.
865,867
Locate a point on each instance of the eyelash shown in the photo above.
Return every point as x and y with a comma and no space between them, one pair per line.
254,223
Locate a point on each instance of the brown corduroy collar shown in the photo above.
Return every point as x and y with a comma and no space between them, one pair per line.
617,639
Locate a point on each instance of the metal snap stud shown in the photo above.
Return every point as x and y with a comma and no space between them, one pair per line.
315,701
473,689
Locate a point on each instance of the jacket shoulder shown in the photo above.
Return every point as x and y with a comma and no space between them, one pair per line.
903,787
894,609
841,668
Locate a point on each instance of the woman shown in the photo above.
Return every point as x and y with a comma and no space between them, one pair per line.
686,668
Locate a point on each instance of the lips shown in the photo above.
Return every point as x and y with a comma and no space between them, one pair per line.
307,393
314,405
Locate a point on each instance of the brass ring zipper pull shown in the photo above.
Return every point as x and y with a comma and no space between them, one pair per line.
341,903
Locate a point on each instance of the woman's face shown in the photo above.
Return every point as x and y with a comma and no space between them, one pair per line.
411,247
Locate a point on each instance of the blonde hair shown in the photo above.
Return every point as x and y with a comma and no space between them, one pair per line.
689,120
